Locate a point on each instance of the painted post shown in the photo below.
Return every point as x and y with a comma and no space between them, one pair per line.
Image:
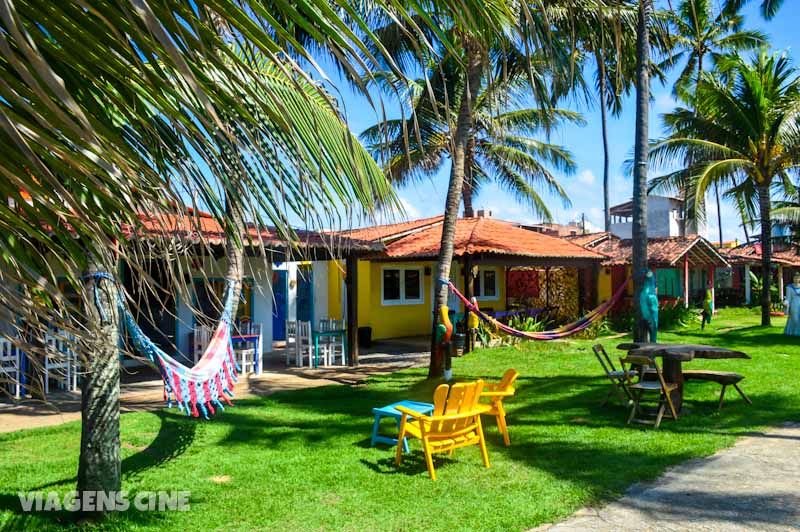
351,264
747,288
469,289
711,287
686,281
781,293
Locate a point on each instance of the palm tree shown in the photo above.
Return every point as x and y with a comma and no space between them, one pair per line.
743,135
506,33
130,107
502,145
610,46
640,161
699,34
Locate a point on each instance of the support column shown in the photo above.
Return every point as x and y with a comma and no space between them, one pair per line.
747,287
469,292
595,298
351,264
686,281
711,287
781,292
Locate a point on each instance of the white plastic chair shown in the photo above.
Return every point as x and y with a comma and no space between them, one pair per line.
290,349
305,343
201,337
60,362
336,343
9,366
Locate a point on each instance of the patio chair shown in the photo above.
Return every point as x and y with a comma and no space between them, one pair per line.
10,367
290,347
454,423
60,362
305,343
639,388
335,344
496,393
617,377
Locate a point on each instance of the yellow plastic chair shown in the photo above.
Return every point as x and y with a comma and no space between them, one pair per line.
454,423
496,393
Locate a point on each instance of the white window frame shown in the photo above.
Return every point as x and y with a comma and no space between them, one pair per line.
403,301
482,284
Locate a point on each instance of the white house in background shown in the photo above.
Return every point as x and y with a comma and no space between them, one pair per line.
664,218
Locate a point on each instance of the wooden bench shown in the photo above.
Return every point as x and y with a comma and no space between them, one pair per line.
724,378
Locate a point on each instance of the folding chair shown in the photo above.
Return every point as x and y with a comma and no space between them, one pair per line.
617,377
639,388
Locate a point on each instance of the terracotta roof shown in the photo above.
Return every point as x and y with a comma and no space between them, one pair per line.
661,252
390,231
203,227
488,235
751,254
589,239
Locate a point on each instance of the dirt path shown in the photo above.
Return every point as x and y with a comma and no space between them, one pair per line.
147,395
754,485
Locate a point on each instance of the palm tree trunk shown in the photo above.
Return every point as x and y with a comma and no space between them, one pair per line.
719,213
764,201
99,463
467,192
458,159
601,64
234,253
639,248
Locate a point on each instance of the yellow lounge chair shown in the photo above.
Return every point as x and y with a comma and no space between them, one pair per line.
455,422
496,393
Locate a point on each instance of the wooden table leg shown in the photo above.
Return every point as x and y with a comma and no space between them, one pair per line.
673,372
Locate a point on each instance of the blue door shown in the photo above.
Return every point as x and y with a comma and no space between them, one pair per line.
305,295
280,290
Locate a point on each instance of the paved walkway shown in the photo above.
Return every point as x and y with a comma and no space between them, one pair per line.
146,392
754,485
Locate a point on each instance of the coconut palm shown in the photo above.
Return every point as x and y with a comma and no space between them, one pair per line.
502,148
121,108
700,35
743,135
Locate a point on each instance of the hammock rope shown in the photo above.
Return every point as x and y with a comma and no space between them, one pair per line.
553,334
197,389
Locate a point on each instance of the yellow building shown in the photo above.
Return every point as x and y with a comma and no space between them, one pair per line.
396,288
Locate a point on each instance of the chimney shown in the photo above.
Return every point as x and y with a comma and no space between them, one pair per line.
483,213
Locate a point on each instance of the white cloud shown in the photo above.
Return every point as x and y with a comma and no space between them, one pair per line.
664,102
586,177
411,212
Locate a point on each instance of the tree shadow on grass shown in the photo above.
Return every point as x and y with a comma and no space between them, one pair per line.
176,434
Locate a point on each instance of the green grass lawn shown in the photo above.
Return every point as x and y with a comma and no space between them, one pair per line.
301,460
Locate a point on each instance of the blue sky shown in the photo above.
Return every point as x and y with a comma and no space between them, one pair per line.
585,186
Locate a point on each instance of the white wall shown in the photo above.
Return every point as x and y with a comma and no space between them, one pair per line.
255,268
320,270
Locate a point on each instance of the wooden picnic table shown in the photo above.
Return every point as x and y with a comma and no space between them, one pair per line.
674,355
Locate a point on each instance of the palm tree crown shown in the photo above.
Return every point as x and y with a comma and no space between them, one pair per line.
502,148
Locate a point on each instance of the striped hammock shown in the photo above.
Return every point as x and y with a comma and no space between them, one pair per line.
561,332
196,389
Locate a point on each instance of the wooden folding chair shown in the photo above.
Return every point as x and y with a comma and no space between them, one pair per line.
639,388
619,385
